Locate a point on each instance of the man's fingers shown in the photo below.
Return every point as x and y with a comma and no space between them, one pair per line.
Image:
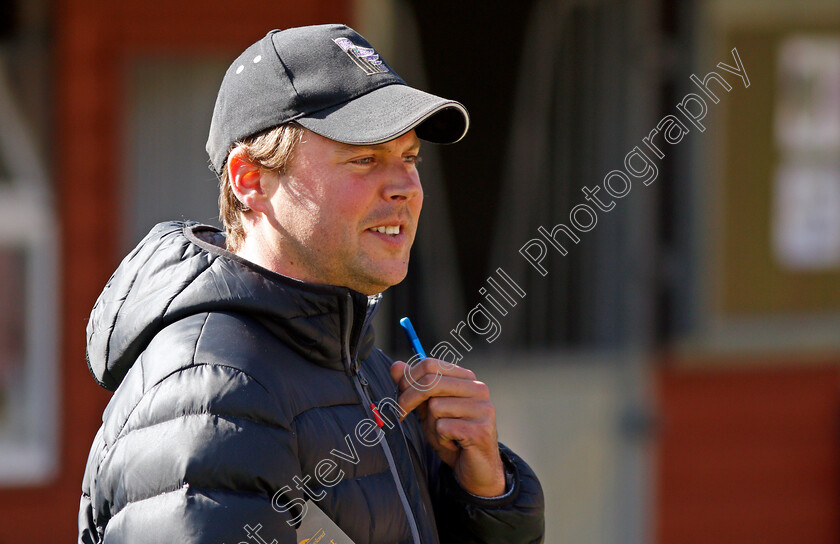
448,444
464,433
447,386
425,374
475,414
397,371
458,419
460,408
453,429
432,378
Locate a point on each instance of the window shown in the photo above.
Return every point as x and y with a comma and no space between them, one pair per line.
28,305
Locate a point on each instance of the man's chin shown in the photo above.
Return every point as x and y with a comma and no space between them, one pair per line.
377,283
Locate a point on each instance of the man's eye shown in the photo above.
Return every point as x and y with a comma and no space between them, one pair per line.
413,159
363,160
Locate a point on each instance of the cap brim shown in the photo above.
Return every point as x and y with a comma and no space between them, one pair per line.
389,112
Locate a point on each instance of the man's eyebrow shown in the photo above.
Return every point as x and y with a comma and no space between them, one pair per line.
348,149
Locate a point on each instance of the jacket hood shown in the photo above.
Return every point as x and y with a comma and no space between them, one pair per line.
180,269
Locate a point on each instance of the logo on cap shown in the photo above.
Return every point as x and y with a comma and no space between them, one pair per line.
365,57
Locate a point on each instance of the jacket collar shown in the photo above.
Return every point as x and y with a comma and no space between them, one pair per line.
329,325
182,269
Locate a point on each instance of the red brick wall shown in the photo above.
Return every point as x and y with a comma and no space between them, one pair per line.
93,38
749,456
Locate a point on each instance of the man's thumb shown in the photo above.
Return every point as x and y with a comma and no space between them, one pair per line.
398,371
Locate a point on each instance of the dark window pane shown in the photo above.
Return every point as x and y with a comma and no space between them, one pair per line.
12,323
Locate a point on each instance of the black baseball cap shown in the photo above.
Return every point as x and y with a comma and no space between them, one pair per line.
330,80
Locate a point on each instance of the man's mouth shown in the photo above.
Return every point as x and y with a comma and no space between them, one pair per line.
387,229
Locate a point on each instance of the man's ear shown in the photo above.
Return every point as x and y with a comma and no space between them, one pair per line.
245,179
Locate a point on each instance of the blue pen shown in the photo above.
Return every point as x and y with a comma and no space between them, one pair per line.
405,323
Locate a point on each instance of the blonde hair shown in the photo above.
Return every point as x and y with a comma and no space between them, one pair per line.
272,150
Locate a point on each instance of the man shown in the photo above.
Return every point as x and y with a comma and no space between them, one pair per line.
250,404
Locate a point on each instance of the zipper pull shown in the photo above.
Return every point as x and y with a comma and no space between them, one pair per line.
361,377
376,416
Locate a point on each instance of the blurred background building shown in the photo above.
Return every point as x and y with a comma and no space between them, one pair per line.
674,379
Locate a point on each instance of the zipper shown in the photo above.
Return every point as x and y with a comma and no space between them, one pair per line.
408,448
360,383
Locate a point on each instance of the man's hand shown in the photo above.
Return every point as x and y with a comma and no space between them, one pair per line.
459,421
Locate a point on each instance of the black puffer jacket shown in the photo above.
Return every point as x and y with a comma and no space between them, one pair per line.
231,384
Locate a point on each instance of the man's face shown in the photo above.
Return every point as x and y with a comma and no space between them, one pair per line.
328,210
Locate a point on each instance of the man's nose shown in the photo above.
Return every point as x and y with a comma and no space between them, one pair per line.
403,183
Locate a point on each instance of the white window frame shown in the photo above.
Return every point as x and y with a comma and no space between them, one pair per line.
27,222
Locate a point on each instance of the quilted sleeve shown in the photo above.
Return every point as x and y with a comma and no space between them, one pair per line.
192,453
518,517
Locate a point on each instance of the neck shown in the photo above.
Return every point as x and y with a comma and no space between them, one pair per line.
262,250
